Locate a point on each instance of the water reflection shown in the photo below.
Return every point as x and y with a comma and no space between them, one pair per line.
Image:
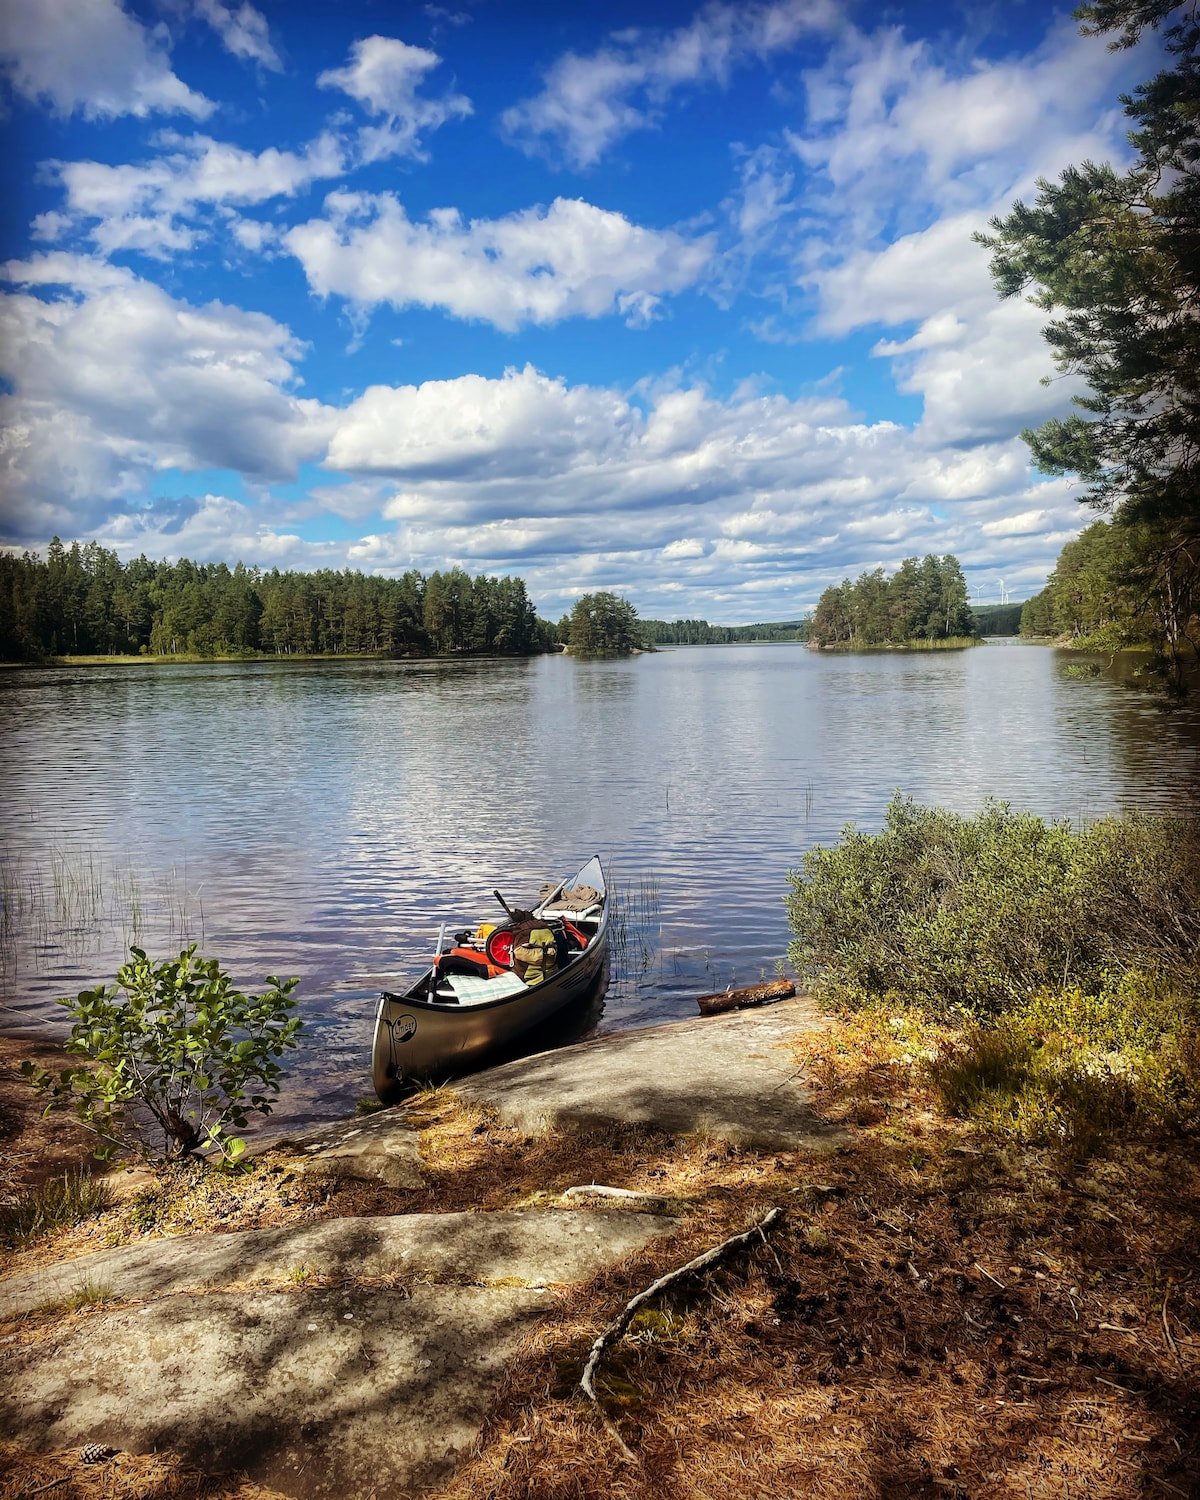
322,818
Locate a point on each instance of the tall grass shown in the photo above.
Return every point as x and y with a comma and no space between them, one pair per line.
634,917
75,902
57,1204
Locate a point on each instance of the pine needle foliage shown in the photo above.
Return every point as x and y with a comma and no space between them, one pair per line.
1115,258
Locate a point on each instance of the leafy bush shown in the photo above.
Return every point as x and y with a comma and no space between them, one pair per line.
56,1204
174,1062
977,915
1139,885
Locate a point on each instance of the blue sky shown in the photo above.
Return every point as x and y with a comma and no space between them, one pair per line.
685,307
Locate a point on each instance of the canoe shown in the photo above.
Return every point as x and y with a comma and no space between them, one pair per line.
441,1027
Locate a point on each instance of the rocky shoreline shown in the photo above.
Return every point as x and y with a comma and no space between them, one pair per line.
438,1300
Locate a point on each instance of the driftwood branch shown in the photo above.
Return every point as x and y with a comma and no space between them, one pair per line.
620,1323
599,1190
755,994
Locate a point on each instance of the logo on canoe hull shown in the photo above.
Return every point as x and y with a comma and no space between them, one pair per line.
404,1028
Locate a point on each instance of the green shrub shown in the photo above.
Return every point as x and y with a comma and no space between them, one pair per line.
975,916
56,1204
1070,1069
174,1062
147,1208
982,1071
1139,885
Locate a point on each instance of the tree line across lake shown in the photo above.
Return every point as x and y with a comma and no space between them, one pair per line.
701,633
1122,584
82,600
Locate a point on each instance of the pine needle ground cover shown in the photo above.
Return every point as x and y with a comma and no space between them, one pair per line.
944,1311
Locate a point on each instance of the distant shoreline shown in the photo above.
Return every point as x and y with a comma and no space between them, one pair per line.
193,658
950,643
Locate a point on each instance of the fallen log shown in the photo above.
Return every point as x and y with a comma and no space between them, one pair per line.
755,994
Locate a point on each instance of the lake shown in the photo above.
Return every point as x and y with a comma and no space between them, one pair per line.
320,818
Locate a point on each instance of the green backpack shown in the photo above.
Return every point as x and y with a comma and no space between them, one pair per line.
535,952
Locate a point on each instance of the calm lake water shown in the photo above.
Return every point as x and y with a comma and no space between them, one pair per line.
321,818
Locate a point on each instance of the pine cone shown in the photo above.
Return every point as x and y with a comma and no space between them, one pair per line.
95,1453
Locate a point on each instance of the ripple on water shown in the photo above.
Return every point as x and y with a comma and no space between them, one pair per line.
322,818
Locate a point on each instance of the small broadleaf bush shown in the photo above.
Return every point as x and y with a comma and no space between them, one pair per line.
173,1058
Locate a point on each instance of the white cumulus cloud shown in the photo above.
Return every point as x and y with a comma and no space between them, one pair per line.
213,527
477,426
907,153
538,265
383,75
244,32
92,56
148,206
111,379
743,507
897,134
590,102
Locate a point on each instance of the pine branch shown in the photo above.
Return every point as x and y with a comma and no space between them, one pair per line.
620,1323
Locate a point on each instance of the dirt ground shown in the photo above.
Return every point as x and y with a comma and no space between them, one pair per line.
940,1313
33,1149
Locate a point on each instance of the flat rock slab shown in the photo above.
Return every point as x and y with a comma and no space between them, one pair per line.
316,1393
382,1147
538,1246
730,1076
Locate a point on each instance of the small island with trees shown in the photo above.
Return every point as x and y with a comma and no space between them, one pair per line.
924,604
601,624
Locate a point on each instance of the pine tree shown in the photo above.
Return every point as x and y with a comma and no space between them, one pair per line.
1115,257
